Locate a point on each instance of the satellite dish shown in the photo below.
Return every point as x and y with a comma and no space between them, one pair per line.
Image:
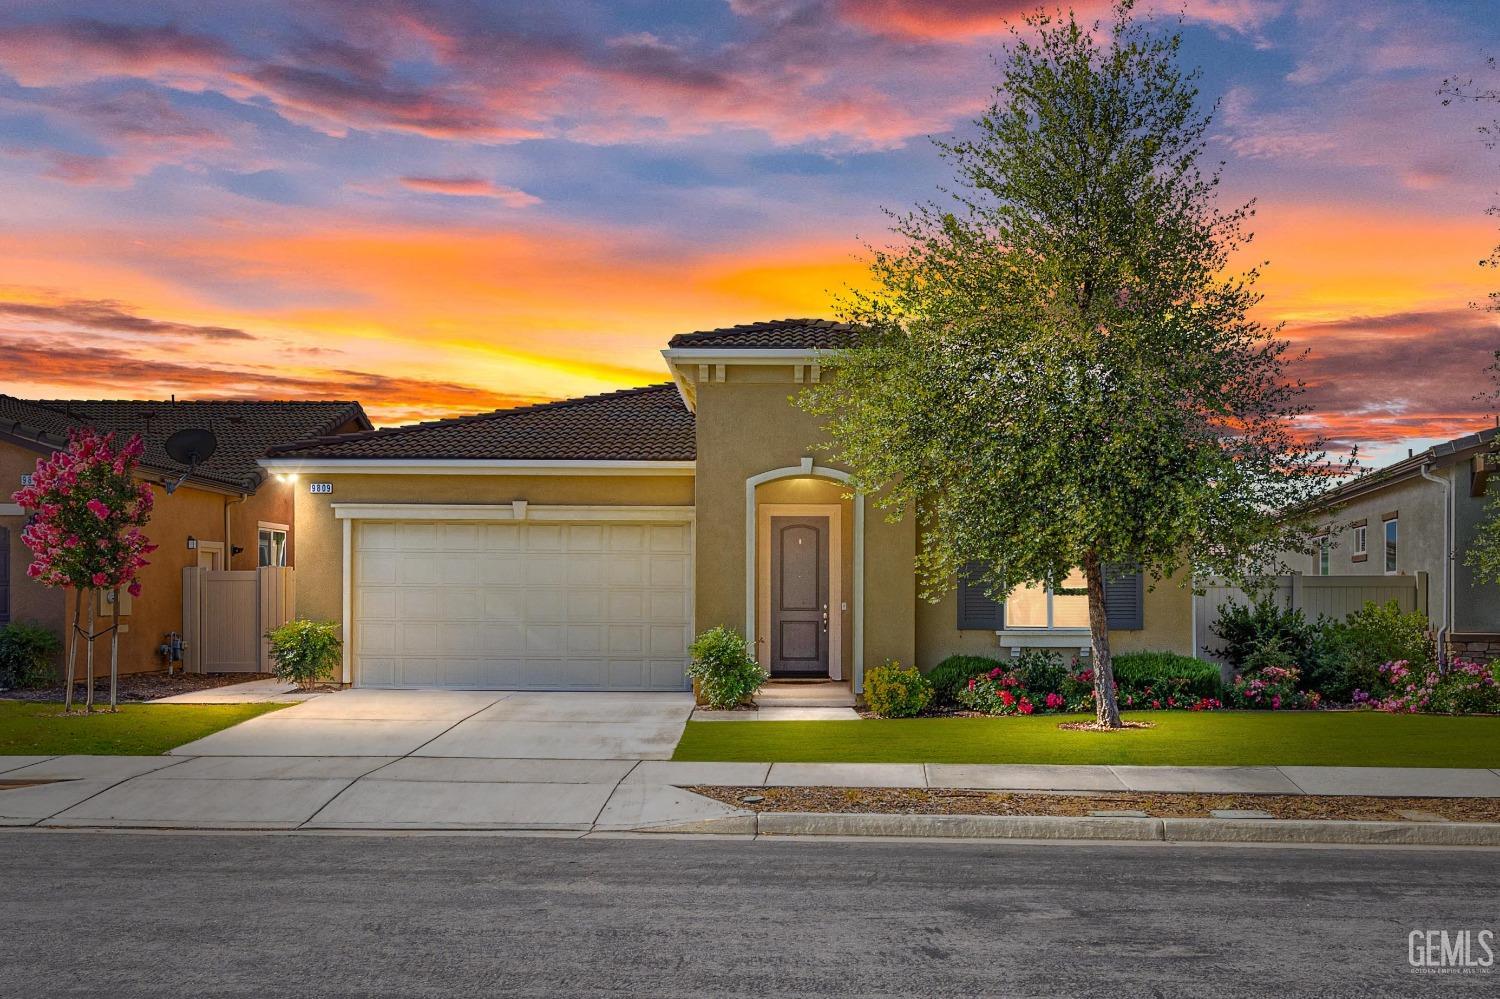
191,446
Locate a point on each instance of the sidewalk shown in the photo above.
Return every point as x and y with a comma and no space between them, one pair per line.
583,796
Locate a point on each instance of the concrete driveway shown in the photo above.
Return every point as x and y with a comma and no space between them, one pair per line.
510,725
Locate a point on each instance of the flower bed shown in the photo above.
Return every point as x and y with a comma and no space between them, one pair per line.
1463,688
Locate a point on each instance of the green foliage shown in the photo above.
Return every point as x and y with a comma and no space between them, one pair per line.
1353,650
726,673
1264,633
896,691
955,672
1060,368
305,652
1168,673
1483,555
28,653
1041,672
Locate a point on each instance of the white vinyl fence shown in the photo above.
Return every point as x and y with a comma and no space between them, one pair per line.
225,616
1316,596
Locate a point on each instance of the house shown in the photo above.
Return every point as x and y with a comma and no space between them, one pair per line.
227,514
580,544
1421,515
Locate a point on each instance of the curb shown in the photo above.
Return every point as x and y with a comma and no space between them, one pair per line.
1054,827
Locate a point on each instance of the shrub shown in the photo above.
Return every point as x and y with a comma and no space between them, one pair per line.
955,672
1464,688
1263,634
305,652
1353,650
896,691
1273,688
725,672
1041,672
27,654
1167,672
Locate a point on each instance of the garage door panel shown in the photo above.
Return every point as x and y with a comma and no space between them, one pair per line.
589,606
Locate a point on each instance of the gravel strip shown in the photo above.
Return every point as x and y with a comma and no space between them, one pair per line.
915,801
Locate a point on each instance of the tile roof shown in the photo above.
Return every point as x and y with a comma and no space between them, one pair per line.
776,334
245,430
639,424
1437,455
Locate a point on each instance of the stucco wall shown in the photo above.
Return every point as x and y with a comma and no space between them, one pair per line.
319,544
747,424
1420,548
820,491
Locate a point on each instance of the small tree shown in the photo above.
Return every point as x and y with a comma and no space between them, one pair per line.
1059,370
85,536
1484,554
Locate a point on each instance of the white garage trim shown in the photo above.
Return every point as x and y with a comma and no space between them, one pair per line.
517,510
519,514
810,470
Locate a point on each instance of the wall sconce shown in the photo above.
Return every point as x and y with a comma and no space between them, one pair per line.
192,543
235,549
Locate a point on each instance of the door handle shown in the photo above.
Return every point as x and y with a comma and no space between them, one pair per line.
825,619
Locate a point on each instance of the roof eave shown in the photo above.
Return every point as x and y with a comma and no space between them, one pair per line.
327,465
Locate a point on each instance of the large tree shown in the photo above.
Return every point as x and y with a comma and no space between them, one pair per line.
1059,369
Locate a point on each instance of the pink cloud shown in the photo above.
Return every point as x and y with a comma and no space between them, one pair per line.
471,187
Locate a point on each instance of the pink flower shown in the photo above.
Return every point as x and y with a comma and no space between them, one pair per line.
134,589
1024,707
97,509
100,579
1007,698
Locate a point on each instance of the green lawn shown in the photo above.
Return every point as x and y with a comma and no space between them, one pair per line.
40,729
1335,738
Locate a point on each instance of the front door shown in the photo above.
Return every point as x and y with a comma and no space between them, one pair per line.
799,596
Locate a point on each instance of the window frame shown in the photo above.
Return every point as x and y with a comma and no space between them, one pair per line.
1323,559
1050,626
1391,546
272,529
1361,540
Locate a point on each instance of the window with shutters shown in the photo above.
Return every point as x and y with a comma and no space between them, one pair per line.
1035,606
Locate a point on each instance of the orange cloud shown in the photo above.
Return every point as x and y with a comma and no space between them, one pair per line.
471,187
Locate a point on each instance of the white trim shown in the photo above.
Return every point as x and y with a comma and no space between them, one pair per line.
835,514
12,510
464,466
514,510
807,468
1045,638
348,602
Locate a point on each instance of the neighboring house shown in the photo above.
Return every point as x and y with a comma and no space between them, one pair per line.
580,544
1421,514
228,514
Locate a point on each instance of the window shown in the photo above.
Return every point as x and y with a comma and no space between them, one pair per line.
1392,536
1034,606
1323,555
1359,540
272,546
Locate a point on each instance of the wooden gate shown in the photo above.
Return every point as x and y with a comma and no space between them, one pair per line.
225,616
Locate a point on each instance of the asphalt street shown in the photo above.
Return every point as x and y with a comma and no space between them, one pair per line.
119,915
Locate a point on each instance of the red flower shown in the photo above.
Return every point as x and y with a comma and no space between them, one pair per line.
1007,698
1024,707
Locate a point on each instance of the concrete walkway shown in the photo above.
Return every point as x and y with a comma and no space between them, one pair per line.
249,692
568,795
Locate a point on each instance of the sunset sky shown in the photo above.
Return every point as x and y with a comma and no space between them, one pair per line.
442,207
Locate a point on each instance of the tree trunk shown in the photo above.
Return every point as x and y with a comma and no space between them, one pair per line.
88,658
114,652
1106,708
72,651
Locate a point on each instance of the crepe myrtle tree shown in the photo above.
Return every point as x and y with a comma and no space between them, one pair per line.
1057,369
85,535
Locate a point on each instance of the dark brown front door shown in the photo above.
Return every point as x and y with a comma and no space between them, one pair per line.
799,596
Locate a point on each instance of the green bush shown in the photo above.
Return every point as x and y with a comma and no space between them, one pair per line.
27,655
954,673
1041,672
1353,650
305,652
1167,672
725,671
1265,634
896,691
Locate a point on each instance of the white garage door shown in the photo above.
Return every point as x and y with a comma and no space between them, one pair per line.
518,605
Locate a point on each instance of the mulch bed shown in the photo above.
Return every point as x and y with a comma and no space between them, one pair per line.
936,801
138,686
